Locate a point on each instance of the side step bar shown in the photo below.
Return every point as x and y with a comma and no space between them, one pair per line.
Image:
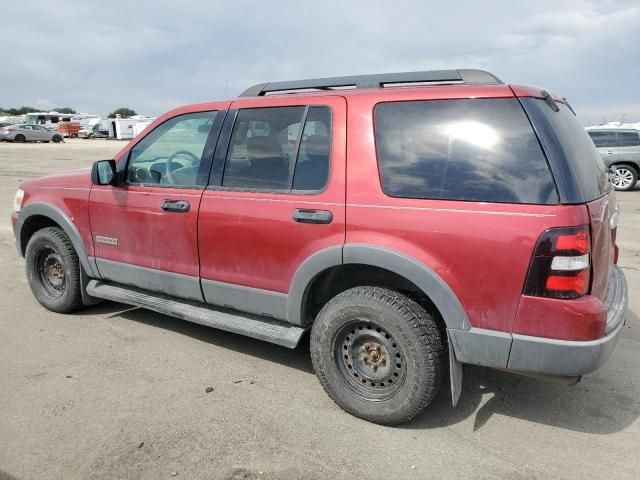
266,329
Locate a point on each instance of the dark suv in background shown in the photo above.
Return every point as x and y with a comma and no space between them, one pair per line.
619,148
411,222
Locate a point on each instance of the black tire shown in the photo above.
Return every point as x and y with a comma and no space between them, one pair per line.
19,138
56,139
625,177
53,270
361,322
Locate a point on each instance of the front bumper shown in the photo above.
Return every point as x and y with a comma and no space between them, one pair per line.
568,357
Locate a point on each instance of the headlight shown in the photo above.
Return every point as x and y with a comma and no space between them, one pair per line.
17,200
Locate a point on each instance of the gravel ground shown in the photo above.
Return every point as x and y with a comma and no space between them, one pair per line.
118,392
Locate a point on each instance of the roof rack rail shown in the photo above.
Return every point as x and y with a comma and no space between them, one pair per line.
465,76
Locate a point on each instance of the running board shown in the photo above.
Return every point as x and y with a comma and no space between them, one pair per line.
262,328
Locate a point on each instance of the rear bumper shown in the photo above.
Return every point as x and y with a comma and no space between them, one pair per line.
572,358
546,356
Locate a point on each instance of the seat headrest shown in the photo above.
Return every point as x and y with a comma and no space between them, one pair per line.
317,145
263,147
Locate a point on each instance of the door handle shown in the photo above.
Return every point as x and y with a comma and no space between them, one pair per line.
304,215
180,206
609,152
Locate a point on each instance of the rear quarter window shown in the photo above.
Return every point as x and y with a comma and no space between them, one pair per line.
577,167
628,139
468,149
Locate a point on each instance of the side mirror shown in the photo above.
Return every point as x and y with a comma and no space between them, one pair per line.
103,172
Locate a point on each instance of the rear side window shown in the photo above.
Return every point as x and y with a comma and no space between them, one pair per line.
628,139
603,139
469,149
270,151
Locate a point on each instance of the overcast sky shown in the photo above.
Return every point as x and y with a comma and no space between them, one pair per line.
155,55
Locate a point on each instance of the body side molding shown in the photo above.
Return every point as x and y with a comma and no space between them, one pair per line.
174,284
246,299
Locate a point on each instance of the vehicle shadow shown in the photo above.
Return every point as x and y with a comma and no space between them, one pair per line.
604,402
298,358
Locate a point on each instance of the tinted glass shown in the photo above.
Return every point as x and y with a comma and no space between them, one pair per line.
263,148
172,152
480,150
577,165
628,139
603,139
312,166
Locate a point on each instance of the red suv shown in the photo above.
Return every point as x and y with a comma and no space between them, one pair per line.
412,222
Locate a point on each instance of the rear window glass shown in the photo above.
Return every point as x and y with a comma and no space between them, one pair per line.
469,149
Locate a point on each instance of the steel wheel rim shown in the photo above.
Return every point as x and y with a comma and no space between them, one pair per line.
370,360
50,272
622,178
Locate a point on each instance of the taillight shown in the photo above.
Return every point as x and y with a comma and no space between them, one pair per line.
561,264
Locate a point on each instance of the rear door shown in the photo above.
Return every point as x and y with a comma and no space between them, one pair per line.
145,230
629,147
41,133
276,197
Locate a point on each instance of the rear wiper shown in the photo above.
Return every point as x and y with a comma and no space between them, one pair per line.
564,99
550,101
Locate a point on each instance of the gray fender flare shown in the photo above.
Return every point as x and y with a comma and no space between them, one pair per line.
304,276
67,225
416,272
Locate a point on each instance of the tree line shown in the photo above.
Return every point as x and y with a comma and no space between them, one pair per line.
14,112
124,112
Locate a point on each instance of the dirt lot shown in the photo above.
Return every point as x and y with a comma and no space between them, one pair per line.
118,392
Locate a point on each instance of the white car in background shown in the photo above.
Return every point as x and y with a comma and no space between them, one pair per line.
21,133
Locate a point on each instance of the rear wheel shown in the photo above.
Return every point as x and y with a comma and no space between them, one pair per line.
57,139
378,354
53,270
625,177
19,138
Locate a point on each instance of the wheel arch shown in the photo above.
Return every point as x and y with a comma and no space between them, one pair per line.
401,268
628,163
40,215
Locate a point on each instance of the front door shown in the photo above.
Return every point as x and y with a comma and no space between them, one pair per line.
276,197
145,229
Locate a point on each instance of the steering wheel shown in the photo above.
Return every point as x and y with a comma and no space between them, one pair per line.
170,179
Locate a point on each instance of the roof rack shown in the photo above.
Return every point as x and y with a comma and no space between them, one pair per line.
464,76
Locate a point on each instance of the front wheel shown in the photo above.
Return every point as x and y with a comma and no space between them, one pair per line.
53,270
57,139
378,354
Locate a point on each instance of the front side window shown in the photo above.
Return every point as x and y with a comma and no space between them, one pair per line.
171,154
628,139
269,151
603,139
468,149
